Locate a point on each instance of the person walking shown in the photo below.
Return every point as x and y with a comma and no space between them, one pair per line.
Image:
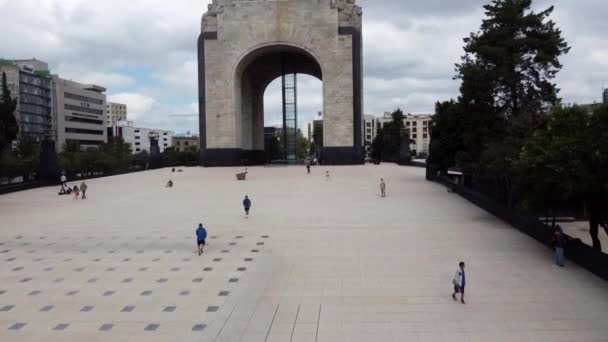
64,182
559,244
247,205
327,176
307,162
382,188
75,192
83,189
201,235
459,281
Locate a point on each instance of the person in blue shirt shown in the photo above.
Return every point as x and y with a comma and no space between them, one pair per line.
247,205
201,235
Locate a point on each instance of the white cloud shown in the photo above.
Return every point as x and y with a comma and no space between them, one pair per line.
144,51
83,74
138,105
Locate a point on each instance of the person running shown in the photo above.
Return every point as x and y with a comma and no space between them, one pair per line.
382,187
83,189
247,205
559,244
75,192
201,235
460,282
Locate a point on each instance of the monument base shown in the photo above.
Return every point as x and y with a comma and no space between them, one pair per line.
226,157
342,156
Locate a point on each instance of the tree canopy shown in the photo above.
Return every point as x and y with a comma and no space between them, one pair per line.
8,123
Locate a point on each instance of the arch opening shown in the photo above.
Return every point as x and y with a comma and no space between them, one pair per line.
253,74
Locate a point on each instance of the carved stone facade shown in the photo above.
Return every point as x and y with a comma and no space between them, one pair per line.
244,45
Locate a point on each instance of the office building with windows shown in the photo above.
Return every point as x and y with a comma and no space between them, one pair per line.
140,137
183,143
606,96
78,113
115,113
30,83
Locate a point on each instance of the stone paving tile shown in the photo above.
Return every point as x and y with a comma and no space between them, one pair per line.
17,326
152,327
106,327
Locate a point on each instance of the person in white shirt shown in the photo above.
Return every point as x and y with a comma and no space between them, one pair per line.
64,181
460,282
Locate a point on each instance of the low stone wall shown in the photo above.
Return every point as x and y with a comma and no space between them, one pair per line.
585,256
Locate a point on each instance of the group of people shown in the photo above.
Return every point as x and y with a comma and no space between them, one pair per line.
76,190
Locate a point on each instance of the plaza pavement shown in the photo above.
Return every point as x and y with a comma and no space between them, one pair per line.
317,261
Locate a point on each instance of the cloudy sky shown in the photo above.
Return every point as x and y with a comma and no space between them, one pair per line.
144,52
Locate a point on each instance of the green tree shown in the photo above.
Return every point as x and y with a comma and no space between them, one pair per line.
378,144
388,142
564,163
303,146
516,52
8,123
446,134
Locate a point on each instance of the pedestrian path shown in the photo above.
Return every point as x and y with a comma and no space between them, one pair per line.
315,261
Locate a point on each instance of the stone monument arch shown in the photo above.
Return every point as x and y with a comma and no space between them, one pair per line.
244,45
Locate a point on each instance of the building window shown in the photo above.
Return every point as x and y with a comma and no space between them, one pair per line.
137,150
166,145
165,133
137,144
83,120
425,136
414,129
137,138
136,131
369,137
83,131
82,98
414,136
369,124
164,139
84,109
186,143
407,124
178,143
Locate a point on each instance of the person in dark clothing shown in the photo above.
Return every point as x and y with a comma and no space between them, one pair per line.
559,244
247,205
201,235
308,165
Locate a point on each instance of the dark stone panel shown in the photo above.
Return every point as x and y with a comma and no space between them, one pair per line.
49,167
202,101
214,157
357,45
202,106
342,156
256,157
